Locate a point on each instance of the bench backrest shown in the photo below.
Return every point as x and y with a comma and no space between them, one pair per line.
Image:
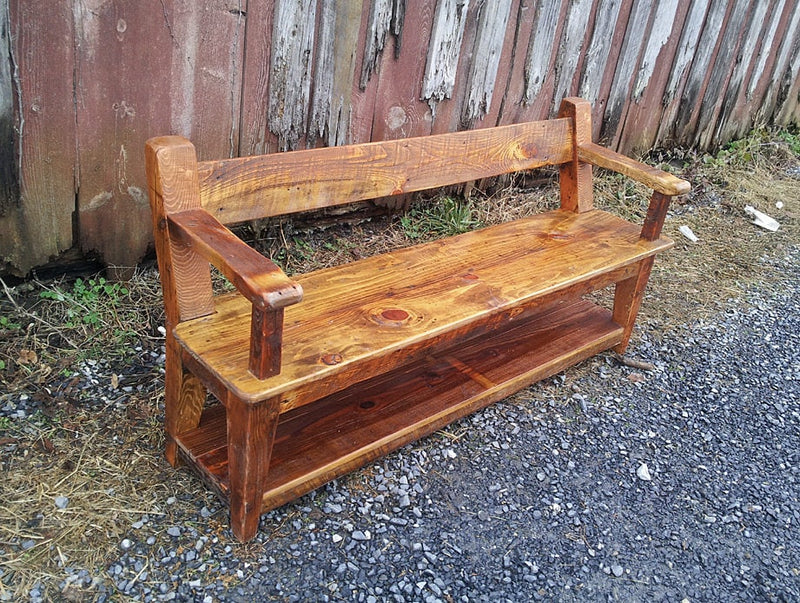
247,188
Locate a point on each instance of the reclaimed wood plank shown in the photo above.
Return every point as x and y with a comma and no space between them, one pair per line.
492,26
398,111
644,113
241,189
291,70
570,52
782,62
733,110
9,166
334,70
692,29
381,316
255,136
36,217
599,49
706,52
541,51
629,61
719,79
120,104
654,178
444,49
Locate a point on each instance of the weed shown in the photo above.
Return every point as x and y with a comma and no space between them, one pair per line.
792,140
8,324
88,301
93,306
446,217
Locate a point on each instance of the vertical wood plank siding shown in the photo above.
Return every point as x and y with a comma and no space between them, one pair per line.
83,84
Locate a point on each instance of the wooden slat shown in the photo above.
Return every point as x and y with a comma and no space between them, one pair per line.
656,179
358,318
236,190
38,225
347,430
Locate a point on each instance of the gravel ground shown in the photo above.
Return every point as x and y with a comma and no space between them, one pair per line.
605,483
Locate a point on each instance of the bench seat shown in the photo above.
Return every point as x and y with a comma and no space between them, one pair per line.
362,319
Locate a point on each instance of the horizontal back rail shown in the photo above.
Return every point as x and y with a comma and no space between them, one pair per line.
247,188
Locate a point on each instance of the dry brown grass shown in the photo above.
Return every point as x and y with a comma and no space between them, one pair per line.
99,444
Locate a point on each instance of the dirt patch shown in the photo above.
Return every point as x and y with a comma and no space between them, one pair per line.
81,361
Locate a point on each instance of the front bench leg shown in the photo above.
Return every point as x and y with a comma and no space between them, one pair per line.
251,433
627,300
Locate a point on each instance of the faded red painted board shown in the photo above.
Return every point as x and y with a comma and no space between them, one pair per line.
645,111
362,100
790,37
122,101
705,56
505,67
599,68
255,137
735,112
398,111
41,226
517,107
711,103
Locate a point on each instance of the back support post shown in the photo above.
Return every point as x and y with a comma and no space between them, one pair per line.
575,177
185,277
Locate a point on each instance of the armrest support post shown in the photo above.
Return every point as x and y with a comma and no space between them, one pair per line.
266,334
656,213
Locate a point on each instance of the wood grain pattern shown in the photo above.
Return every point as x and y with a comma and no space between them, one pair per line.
656,179
37,225
656,213
575,176
256,277
235,190
479,274
368,420
628,296
251,430
266,337
172,183
185,277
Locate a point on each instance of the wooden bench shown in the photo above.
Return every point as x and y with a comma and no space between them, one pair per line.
321,373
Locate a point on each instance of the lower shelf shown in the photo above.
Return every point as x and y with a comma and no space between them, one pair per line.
333,436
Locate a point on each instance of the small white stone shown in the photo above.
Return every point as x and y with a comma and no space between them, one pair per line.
61,502
336,538
643,473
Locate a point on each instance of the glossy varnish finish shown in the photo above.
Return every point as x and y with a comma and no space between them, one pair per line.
323,372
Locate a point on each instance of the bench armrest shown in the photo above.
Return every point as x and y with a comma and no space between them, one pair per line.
257,278
658,180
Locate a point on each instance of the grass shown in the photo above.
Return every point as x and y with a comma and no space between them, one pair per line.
99,444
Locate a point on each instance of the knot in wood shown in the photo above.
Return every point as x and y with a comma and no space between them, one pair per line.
331,359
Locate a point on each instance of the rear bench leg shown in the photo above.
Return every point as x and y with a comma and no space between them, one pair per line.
184,397
627,299
251,432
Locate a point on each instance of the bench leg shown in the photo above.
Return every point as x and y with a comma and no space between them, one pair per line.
184,397
627,299
251,432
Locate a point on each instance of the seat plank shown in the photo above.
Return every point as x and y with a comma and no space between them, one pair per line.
363,318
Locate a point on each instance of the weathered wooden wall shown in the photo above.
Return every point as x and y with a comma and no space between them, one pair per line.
83,83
